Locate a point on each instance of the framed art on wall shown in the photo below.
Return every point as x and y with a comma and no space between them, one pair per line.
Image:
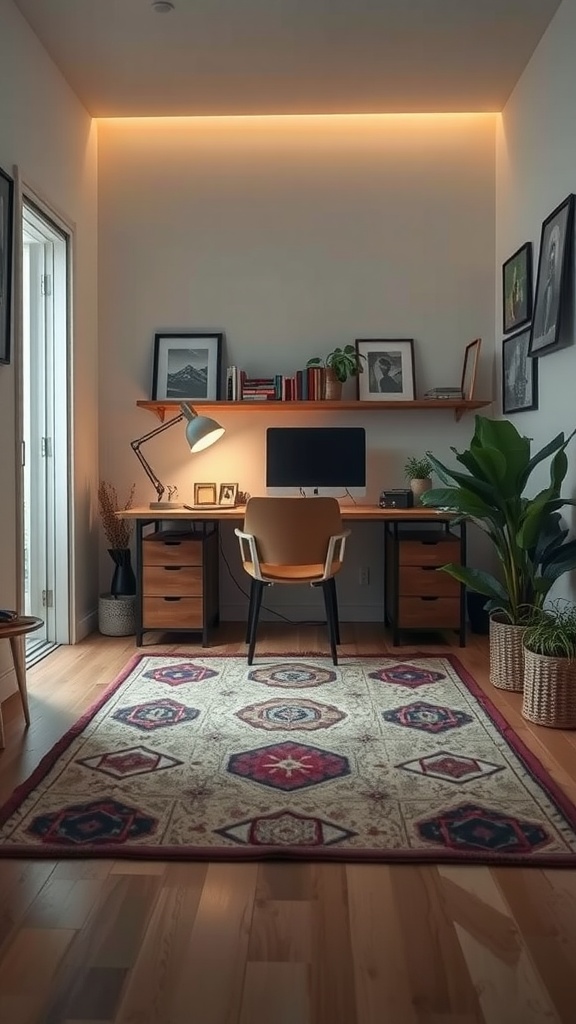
6,235
388,373
519,374
469,369
553,278
187,366
517,289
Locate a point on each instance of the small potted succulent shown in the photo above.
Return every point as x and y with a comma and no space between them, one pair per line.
418,471
339,364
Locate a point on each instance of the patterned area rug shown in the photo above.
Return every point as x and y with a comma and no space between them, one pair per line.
377,759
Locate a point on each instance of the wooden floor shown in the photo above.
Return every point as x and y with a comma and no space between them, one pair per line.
89,942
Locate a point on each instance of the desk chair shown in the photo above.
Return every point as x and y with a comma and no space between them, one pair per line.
292,540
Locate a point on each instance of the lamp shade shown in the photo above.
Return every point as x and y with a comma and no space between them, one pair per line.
201,431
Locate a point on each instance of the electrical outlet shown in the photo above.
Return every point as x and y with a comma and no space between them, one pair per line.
364,576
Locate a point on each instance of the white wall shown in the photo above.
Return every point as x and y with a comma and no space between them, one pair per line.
536,161
292,235
46,132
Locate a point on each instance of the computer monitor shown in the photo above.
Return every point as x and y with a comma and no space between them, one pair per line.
315,457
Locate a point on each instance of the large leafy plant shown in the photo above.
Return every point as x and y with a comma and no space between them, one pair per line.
527,533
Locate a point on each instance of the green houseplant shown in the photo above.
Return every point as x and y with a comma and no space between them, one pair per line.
527,535
339,364
417,471
550,668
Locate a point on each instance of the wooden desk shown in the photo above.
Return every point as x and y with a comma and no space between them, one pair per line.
177,577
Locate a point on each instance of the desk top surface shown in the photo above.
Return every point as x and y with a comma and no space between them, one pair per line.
349,512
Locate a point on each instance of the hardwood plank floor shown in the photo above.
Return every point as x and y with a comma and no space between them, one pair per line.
122,942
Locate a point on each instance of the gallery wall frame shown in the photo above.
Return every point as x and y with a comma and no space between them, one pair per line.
187,365
553,278
517,289
519,374
388,373
6,260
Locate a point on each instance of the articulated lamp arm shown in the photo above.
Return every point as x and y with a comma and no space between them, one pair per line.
135,446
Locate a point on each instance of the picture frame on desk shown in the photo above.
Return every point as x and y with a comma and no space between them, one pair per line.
388,374
204,494
228,495
187,367
6,254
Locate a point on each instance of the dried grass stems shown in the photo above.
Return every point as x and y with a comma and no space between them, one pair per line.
118,531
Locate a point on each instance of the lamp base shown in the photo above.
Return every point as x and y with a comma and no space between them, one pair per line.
165,504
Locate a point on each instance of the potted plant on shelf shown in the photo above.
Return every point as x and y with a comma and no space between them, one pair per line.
418,472
339,364
116,608
527,535
549,696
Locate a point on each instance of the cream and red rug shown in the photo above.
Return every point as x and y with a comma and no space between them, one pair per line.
376,759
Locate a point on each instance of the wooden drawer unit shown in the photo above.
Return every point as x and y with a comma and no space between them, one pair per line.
418,595
178,581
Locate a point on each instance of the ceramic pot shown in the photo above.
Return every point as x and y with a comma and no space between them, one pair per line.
418,486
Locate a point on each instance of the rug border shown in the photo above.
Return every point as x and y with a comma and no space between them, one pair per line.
531,762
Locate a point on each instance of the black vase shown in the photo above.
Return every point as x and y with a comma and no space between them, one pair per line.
123,580
478,617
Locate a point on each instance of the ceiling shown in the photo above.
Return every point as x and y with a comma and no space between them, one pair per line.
218,57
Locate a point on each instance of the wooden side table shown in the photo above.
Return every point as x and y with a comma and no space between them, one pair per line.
14,632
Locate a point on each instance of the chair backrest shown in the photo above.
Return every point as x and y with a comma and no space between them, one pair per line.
292,531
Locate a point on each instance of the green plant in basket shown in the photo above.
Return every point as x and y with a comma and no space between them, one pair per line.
553,634
527,534
345,362
417,468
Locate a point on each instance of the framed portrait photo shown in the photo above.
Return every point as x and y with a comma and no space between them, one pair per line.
187,366
553,278
469,369
6,236
517,289
228,494
388,370
519,374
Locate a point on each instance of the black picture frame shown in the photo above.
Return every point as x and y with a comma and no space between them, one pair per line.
187,367
517,289
519,374
553,279
6,256
388,373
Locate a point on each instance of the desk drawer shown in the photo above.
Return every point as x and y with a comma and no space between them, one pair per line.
172,613
421,581
421,612
420,552
171,551
172,580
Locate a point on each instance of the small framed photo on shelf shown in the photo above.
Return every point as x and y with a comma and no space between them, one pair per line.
553,279
204,494
517,289
228,494
469,369
519,374
388,372
6,235
187,367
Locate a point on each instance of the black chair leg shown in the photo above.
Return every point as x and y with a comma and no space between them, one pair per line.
256,600
329,605
250,611
334,597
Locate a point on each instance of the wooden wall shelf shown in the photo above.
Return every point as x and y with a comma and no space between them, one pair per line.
459,407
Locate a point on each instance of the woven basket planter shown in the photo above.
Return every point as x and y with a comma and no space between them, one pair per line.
506,655
549,691
117,615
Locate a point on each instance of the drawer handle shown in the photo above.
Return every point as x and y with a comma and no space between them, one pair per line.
172,568
428,598
429,568
172,543
171,598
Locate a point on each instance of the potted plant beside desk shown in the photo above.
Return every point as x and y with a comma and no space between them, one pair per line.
527,534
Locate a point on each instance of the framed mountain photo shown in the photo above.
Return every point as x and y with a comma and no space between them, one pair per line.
187,366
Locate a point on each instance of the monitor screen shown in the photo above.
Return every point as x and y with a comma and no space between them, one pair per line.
316,457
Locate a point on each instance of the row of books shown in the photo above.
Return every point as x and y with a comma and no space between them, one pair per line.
304,385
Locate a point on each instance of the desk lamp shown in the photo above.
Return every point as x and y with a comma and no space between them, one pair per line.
201,432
